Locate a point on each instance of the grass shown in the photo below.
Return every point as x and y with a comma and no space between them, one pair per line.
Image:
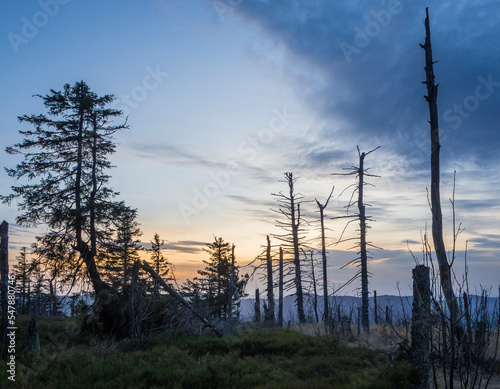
253,358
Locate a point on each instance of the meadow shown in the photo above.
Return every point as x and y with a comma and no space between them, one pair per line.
251,357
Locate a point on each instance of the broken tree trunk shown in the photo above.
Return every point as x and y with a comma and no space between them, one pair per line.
257,305
421,326
365,315
135,305
437,218
269,312
4,282
232,287
280,289
145,266
295,222
315,301
323,253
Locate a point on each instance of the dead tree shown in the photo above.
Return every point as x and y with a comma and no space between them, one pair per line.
421,326
280,290
232,287
257,306
315,291
4,282
289,207
323,253
437,218
362,260
269,312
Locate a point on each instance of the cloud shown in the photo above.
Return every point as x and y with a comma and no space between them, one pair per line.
182,246
376,90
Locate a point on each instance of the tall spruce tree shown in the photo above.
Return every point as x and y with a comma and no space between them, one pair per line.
159,263
212,289
120,248
65,160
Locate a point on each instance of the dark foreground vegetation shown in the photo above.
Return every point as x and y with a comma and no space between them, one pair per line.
252,358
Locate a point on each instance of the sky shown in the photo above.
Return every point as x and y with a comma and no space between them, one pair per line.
223,97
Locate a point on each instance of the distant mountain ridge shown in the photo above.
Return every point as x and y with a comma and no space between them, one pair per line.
398,307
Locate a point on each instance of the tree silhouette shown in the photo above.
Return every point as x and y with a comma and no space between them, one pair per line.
159,263
65,162
213,290
289,208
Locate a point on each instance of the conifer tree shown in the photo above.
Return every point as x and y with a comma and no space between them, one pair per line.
21,271
65,163
160,264
212,289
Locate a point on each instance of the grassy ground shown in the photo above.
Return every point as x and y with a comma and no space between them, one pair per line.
253,358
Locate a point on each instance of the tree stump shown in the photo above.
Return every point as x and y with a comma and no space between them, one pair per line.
421,326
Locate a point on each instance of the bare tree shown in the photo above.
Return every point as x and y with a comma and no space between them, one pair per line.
321,208
280,289
269,312
289,207
232,287
437,218
315,290
360,172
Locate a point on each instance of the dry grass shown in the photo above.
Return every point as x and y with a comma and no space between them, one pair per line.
389,339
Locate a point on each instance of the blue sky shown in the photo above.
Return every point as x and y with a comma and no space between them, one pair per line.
225,96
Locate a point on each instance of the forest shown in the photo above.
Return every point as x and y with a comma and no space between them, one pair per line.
94,303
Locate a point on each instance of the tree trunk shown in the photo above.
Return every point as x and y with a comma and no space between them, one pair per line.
87,253
4,283
375,306
421,326
280,288
323,253
257,306
437,219
232,287
365,313
269,314
315,305
295,220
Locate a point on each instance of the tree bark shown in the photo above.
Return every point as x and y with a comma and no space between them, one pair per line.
437,218
365,314
257,306
295,220
421,326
